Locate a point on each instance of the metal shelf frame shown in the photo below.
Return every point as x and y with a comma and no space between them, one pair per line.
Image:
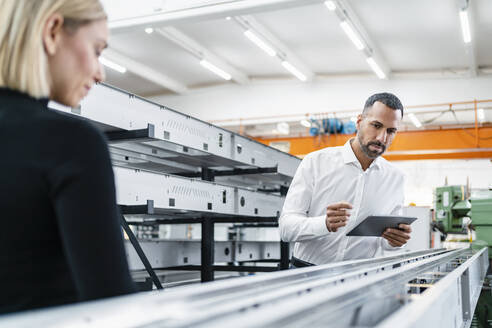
171,168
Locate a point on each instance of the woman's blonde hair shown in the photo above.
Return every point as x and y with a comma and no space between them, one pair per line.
23,61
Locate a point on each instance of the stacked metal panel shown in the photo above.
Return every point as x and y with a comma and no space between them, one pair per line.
155,149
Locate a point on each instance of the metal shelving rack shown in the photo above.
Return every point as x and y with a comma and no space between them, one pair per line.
171,168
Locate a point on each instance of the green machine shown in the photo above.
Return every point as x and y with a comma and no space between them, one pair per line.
481,216
453,204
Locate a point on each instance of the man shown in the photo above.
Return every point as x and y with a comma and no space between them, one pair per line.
336,188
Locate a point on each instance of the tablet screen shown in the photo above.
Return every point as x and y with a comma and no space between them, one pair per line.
374,225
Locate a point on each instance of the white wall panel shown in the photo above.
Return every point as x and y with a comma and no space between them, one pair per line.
423,176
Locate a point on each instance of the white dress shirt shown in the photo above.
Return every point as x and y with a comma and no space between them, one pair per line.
332,175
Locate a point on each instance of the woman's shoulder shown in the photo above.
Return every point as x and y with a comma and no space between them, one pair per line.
70,128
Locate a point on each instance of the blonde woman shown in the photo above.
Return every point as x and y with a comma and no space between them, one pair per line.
60,240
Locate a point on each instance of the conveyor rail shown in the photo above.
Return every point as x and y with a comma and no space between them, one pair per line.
407,290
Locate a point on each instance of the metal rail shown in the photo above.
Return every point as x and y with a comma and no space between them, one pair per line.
409,290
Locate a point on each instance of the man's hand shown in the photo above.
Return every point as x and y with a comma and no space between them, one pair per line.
397,237
337,215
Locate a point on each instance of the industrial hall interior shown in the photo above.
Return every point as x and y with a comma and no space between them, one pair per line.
246,163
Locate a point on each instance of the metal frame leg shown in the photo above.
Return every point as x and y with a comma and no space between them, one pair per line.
140,252
284,255
207,265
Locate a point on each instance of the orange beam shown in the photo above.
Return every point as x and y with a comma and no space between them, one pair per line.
426,144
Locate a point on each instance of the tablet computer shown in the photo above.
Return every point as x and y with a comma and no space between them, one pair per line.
374,225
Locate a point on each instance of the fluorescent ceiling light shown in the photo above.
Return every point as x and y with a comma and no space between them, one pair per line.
465,26
375,67
481,115
211,67
352,35
305,123
228,17
149,30
108,63
288,66
330,5
415,120
260,42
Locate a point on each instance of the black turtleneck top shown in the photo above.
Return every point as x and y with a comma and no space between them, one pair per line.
60,239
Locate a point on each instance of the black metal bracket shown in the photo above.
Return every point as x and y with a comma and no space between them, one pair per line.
132,135
210,174
140,253
207,221
232,268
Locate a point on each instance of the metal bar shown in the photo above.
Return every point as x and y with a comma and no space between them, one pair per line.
206,174
246,219
138,209
164,221
466,296
446,294
140,252
263,225
477,145
229,268
222,173
284,255
207,255
419,285
131,135
329,293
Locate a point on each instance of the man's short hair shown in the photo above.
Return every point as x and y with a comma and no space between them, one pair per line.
386,98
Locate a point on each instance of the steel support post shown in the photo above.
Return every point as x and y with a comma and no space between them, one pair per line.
207,265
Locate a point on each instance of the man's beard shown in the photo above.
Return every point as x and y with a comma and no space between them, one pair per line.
371,153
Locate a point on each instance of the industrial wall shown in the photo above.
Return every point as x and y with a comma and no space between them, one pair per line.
425,175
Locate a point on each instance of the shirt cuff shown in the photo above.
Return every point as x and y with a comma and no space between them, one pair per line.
318,224
387,247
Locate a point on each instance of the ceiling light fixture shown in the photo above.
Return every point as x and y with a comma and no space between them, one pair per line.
149,30
305,123
330,5
415,120
260,43
214,69
108,63
288,66
352,35
465,26
375,67
481,115
228,17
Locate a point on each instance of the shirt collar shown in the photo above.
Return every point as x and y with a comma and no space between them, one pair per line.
349,156
348,153
22,97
